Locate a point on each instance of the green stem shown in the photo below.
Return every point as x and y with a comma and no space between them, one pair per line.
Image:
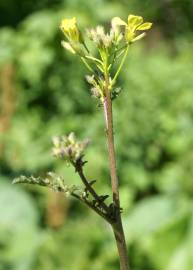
121,65
94,59
87,64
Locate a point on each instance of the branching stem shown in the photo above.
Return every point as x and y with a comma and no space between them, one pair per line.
86,202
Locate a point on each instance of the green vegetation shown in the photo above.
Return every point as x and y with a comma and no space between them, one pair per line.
43,93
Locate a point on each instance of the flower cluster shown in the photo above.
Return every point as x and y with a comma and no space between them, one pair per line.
68,148
130,29
112,49
99,37
96,89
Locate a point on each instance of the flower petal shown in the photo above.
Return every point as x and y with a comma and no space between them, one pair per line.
129,35
144,26
135,20
68,24
116,21
139,37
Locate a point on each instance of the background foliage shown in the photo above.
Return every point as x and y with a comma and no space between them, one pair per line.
43,93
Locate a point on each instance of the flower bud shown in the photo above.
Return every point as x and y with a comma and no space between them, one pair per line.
68,148
70,29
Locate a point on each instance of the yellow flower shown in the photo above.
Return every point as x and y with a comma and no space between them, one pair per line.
70,29
135,23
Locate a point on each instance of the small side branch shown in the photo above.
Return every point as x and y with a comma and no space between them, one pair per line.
93,207
88,185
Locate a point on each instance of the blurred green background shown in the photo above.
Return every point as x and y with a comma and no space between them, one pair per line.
43,93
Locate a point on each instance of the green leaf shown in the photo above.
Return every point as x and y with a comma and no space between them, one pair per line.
148,216
19,234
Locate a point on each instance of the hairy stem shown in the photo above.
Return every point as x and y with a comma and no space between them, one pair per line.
117,225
